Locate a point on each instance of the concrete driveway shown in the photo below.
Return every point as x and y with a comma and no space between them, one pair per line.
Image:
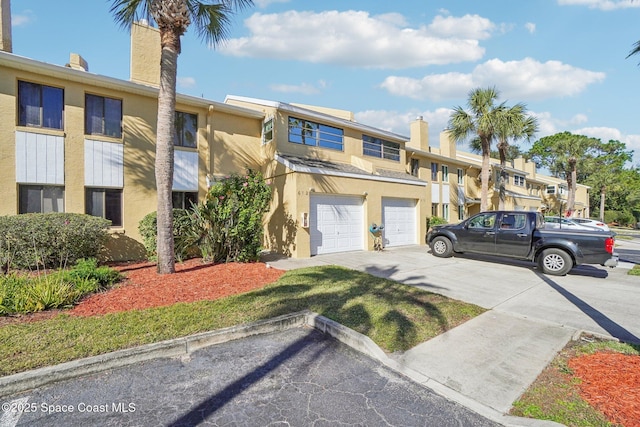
590,298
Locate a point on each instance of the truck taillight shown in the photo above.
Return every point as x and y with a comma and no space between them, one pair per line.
608,244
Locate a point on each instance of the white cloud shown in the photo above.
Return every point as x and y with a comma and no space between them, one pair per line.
526,79
304,88
358,39
186,82
601,4
531,27
264,3
24,18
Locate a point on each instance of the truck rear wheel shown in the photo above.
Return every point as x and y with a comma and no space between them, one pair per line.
441,247
555,262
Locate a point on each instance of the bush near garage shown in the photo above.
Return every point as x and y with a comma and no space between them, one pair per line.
49,240
228,225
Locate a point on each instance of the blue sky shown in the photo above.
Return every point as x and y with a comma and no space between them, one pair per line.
388,62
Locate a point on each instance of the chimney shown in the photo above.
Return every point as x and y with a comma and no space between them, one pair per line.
145,54
77,62
447,145
419,138
5,26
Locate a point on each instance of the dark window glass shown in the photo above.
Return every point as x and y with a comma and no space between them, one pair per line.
377,147
184,200
309,133
40,106
40,199
105,203
186,129
103,116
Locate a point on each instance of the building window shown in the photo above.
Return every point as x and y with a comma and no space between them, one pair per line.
40,199
460,212
184,199
105,203
267,131
40,105
445,173
415,167
306,132
377,147
434,209
445,211
434,171
186,130
506,176
563,190
518,180
551,189
460,176
103,116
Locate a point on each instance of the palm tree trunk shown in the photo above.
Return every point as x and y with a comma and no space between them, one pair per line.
485,175
502,182
164,158
603,191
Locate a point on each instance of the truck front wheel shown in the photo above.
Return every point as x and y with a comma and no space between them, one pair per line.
441,247
555,262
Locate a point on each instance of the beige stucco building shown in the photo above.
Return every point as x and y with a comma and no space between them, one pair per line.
74,141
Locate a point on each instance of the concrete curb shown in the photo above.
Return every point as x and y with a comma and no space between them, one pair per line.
25,381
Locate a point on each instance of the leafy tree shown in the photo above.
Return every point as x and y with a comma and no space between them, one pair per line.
561,153
604,172
513,123
173,17
481,121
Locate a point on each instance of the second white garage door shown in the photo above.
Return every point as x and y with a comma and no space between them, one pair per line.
336,224
399,219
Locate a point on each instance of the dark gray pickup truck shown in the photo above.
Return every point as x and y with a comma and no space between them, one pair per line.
521,234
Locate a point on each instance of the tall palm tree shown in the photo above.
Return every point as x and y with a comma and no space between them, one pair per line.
635,50
513,123
211,19
480,120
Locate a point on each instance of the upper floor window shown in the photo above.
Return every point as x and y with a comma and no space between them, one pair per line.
460,176
377,147
445,173
309,133
434,171
518,180
551,189
103,116
415,167
267,131
40,105
186,129
506,176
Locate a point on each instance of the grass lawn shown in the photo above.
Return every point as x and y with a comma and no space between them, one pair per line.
397,317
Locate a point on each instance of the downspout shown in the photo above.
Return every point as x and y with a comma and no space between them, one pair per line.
210,139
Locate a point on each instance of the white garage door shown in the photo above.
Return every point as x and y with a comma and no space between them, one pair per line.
399,219
336,224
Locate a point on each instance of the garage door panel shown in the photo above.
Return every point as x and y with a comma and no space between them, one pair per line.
399,219
336,224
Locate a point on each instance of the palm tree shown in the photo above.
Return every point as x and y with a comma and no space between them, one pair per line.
211,19
481,120
512,123
635,50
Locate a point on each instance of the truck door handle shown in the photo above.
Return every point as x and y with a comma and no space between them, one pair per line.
490,233
521,234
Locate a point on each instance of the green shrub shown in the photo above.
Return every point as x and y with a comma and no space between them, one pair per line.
62,288
436,220
623,218
182,224
228,225
50,240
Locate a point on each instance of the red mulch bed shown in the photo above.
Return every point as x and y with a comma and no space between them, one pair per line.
610,381
193,281
611,384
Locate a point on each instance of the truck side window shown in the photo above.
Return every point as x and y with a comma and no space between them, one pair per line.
513,221
483,221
